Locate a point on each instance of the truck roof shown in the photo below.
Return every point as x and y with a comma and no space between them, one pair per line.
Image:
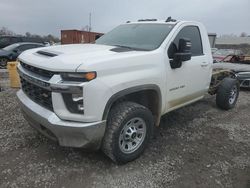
155,21
148,21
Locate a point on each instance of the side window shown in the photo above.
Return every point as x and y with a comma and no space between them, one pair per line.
192,33
4,40
35,46
24,47
28,46
15,40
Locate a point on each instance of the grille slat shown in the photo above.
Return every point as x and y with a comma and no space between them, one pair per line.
37,94
41,72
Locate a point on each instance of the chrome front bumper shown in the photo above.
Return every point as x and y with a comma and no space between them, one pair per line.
67,133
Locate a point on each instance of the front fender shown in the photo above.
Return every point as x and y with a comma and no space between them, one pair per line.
131,90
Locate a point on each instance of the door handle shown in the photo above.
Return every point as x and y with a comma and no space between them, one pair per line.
204,64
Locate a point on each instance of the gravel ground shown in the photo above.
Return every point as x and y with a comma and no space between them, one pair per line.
196,146
4,79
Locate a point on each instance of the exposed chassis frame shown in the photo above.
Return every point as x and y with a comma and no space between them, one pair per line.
217,76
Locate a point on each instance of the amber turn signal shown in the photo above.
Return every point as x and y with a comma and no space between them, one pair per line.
90,76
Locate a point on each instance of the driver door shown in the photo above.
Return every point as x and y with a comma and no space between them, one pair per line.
187,83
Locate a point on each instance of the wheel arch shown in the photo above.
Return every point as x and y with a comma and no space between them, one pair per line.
217,77
141,95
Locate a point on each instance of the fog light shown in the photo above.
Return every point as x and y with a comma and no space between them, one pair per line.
77,97
74,102
80,107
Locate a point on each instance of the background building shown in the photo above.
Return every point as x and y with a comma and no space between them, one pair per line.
77,36
234,42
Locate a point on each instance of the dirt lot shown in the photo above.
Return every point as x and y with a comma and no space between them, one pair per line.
197,146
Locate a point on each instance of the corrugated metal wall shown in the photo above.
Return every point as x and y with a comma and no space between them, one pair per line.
76,36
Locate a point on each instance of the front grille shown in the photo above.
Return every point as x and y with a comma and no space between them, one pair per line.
41,72
37,94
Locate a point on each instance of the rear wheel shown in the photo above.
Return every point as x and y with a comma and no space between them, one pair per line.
129,128
227,93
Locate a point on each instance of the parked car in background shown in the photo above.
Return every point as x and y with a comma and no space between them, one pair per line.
56,44
47,44
240,59
240,65
220,54
8,40
11,52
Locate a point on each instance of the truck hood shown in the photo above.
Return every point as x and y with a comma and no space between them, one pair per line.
70,57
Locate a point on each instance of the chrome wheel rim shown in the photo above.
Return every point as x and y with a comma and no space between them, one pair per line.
132,135
233,95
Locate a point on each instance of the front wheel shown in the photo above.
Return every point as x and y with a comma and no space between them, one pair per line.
227,93
129,128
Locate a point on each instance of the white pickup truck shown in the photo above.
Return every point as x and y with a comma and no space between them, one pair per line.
110,95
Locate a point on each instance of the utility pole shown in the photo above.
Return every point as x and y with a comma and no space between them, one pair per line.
89,25
90,22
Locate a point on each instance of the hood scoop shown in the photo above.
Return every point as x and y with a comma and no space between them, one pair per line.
48,54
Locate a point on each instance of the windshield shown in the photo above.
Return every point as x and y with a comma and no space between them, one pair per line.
137,36
11,47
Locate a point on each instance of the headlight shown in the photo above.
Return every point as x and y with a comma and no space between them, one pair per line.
79,77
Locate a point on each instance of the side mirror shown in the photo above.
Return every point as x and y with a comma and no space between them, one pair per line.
183,53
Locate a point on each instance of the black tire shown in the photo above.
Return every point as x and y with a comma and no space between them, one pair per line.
118,119
3,62
227,93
